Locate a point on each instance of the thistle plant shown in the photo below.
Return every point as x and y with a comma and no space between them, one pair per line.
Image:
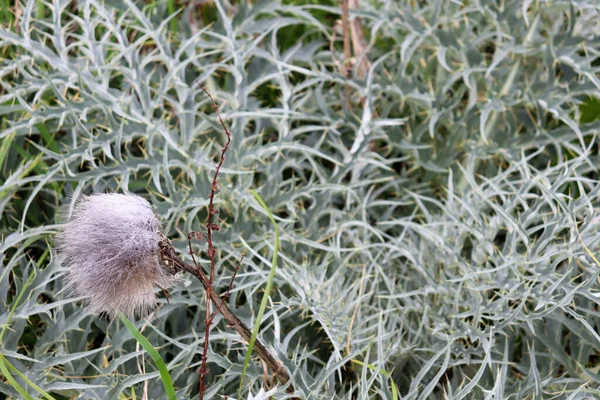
116,255
439,239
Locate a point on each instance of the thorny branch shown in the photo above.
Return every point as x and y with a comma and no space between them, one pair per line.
176,264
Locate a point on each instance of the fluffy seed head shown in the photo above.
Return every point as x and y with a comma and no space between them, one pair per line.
110,248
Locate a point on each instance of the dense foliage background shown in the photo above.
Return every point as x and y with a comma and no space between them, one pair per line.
439,215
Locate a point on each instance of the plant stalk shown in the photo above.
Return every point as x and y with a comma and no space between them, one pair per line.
275,364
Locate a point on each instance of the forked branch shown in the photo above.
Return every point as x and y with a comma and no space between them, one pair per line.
176,264
275,365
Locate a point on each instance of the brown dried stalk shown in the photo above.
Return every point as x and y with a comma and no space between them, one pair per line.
211,249
176,264
275,365
358,41
347,51
237,268
352,27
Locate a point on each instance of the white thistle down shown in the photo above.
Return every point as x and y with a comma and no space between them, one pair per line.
110,249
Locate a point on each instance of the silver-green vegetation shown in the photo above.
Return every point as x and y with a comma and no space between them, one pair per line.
439,218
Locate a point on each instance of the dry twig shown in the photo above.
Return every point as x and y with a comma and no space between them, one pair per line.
359,44
275,365
176,264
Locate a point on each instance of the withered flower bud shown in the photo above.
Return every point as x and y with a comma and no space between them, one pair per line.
110,248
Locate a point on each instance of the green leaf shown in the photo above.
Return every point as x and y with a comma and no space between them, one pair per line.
173,21
265,299
160,364
38,389
16,303
5,146
395,392
11,379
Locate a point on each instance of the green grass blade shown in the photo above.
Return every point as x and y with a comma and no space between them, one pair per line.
48,137
395,392
33,385
263,303
11,380
6,17
40,9
173,21
4,147
160,364
16,303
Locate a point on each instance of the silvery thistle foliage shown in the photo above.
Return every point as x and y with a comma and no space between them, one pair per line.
110,248
469,214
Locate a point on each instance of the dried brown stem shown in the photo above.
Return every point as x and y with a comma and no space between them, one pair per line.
337,64
211,248
346,33
168,254
207,323
237,268
190,236
202,370
275,365
358,42
347,66
225,295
